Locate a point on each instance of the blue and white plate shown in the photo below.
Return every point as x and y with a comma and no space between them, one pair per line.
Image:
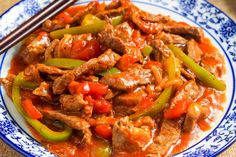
218,27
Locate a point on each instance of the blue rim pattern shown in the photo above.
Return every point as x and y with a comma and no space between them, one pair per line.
226,34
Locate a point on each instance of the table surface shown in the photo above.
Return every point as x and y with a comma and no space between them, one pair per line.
228,6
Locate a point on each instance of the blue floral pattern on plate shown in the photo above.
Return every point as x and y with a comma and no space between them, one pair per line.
201,12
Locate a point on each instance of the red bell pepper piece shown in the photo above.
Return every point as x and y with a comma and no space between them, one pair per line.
30,109
104,131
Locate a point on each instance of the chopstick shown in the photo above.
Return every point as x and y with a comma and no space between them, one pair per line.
33,23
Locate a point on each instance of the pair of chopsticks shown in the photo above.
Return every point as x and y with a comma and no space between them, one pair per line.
33,23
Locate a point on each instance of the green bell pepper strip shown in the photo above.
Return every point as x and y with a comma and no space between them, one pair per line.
110,71
65,63
157,106
117,20
26,84
161,102
90,24
147,50
91,28
202,74
90,19
103,150
42,129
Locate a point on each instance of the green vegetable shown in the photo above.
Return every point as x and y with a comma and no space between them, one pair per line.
147,50
91,28
26,84
157,106
65,63
90,19
202,74
102,150
110,71
42,129
117,20
90,24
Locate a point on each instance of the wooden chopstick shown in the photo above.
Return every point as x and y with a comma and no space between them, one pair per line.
33,23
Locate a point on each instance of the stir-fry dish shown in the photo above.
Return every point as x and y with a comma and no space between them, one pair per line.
101,80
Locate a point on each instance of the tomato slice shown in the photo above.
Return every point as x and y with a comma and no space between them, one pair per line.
90,50
100,105
104,131
126,62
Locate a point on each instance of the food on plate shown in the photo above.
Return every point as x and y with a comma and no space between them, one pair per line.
103,80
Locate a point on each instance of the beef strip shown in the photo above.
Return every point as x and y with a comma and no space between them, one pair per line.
32,51
168,38
96,65
194,51
130,136
61,83
194,32
49,69
170,132
124,103
189,91
49,51
105,61
119,39
72,121
7,83
129,79
72,103
160,46
32,72
43,91
214,63
129,99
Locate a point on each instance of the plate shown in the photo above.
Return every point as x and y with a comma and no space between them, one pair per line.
217,26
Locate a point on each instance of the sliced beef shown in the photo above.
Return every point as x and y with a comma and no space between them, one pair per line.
129,79
188,92
49,69
168,38
49,51
37,47
194,32
105,61
130,136
129,99
7,83
72,121
72,103
214,63
32,73
119,39
160,46
169,135
61,83
194,51
43,91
